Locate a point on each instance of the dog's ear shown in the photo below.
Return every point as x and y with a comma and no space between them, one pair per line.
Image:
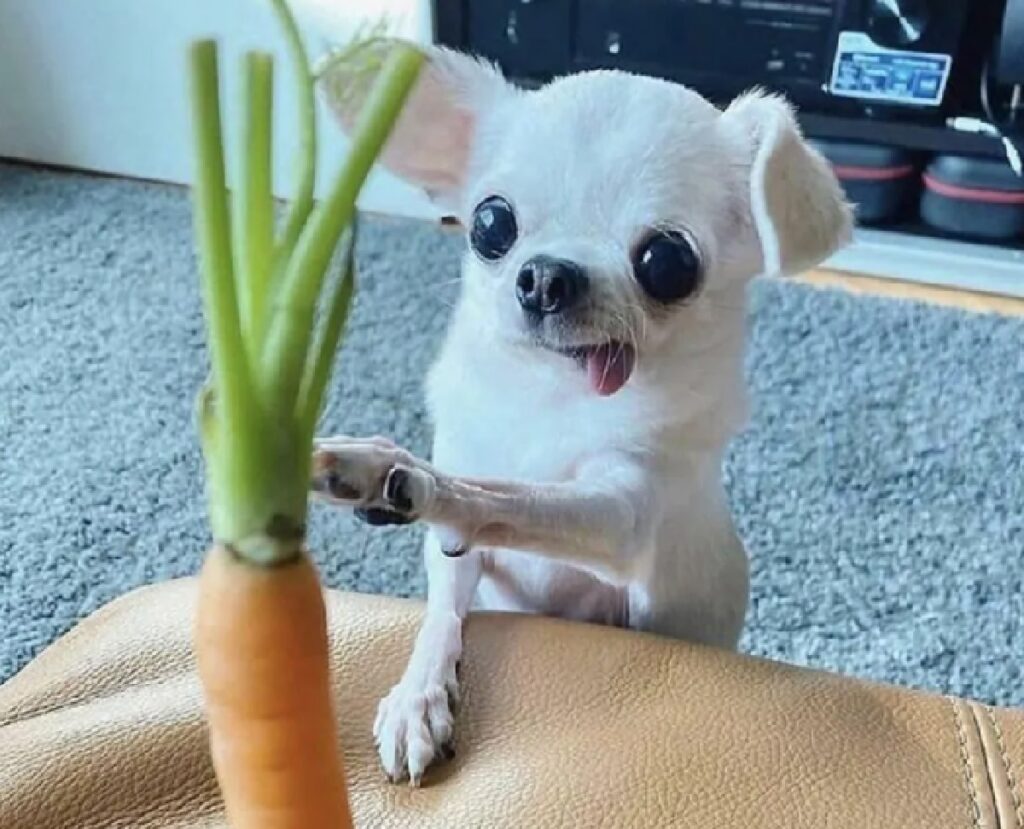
800,213
432,142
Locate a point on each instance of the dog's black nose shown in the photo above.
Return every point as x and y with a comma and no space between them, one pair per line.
548,286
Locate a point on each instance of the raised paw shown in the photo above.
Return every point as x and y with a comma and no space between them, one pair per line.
415,727
383,483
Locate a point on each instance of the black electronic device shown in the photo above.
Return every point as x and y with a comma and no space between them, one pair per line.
901,57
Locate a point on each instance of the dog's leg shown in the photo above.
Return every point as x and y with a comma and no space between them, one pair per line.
596,520
414,723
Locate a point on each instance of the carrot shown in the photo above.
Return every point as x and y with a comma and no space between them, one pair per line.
260,635
268,699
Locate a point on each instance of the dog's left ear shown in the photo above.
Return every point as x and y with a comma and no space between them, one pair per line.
798,207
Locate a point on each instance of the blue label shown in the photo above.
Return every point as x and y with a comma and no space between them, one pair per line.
865,70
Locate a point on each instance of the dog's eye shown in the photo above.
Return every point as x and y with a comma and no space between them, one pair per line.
494,229
667,267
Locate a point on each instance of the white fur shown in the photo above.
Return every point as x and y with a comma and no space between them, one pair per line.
558,501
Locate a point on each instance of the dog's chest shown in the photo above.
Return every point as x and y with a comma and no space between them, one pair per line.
500,444
512,425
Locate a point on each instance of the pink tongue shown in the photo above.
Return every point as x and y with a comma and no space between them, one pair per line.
609,367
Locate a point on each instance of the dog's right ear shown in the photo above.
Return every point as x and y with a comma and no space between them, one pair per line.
432,142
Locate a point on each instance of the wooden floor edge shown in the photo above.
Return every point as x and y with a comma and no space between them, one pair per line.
935,295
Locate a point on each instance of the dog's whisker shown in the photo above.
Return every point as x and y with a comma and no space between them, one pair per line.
624,327
638,315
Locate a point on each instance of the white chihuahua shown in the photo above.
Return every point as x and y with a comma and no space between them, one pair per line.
592,374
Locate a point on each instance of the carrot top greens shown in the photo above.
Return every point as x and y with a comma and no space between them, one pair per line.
263,285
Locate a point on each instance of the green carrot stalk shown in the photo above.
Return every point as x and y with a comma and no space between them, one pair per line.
318,367
295,300
235,480
254,201
305,165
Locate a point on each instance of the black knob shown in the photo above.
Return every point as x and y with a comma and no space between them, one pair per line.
897,23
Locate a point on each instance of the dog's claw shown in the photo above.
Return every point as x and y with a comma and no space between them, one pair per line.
457,552
377,517
454,542
396,489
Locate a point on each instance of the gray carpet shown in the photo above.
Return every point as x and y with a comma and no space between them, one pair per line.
878,487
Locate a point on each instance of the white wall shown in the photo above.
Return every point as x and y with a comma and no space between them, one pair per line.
100,84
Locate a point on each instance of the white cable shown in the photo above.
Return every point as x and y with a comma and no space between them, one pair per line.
1013,156
979,127
974,125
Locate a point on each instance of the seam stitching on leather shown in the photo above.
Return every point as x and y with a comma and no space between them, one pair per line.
965,763
1018,805
994,786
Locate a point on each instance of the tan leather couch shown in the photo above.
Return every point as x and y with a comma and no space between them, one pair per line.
562,725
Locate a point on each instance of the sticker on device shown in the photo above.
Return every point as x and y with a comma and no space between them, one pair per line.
870,72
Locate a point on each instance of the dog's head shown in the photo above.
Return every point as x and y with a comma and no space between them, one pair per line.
606,212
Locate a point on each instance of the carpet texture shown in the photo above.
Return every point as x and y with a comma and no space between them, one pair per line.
878,487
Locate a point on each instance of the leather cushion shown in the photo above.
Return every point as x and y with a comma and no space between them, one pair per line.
561,724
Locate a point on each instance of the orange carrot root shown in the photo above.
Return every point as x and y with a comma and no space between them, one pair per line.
261,646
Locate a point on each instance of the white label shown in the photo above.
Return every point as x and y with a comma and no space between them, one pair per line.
870,72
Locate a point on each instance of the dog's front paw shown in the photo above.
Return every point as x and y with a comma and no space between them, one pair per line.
415,727
385,484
